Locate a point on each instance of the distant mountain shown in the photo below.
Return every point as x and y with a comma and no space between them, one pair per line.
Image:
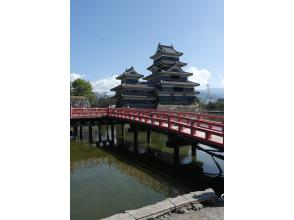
103,94
214,94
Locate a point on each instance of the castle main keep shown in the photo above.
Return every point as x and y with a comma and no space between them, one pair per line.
167,84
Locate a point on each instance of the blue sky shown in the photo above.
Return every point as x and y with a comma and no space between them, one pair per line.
107,36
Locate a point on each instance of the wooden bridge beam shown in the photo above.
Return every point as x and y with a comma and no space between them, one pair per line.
135,140
99,132
176,154
123,132
112,134
148,136
81,132
90,134
107,133
193,150
75,131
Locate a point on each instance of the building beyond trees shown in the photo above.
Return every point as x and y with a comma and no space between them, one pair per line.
166,85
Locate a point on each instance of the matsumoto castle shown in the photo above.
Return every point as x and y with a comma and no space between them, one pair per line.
166,85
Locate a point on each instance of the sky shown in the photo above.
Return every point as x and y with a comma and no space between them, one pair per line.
108,36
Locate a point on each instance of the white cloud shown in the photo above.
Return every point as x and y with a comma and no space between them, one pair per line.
201,76
74,76
104,85
222,80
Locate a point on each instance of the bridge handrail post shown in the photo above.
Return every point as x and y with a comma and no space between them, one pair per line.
207,135
160,122
152,119
193,131
180,127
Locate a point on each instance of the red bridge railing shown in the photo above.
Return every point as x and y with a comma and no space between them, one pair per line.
88,112
209,128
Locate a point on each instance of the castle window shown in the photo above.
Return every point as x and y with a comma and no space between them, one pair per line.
175,77
178,89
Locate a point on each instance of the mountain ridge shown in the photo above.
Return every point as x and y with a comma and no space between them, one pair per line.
214,94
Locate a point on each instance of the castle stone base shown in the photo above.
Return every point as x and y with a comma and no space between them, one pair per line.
179,108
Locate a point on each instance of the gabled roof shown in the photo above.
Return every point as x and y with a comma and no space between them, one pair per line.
131,72
164,49
175,66
174,83
139,86
165,73
178,63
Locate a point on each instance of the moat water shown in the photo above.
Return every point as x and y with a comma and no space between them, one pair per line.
105,181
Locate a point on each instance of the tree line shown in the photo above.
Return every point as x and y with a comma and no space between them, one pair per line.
81,87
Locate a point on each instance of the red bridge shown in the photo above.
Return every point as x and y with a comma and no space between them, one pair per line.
205,128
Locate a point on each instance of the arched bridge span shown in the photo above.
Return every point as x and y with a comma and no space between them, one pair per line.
203,128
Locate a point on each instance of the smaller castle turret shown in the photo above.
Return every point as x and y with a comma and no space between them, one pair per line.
132,93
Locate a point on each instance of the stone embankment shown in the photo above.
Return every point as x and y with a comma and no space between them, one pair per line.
180,207
79,102
180,108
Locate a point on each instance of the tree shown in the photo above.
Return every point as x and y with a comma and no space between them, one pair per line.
104,100
218,105
210,105
80,87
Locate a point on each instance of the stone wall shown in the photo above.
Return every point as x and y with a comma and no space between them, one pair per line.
79,102
180,108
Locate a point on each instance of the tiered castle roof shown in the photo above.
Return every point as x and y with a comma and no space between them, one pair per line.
168,50
130,73
167,83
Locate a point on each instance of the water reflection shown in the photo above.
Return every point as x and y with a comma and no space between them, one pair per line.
144,177
107,180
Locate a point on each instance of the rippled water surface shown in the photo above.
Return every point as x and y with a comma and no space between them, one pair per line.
106,181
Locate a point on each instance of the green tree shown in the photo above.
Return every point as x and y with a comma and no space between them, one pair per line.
104,100
210,106
218,105
80,87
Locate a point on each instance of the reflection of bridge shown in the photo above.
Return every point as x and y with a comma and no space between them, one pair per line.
156,182
182,128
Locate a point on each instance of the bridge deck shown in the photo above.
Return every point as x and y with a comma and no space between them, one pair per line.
204,127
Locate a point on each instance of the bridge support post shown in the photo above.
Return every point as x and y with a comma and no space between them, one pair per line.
75,131
193,150
123,131
135,140
81,132
148,137
112,134
176,154
90,134
99,132
107,133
